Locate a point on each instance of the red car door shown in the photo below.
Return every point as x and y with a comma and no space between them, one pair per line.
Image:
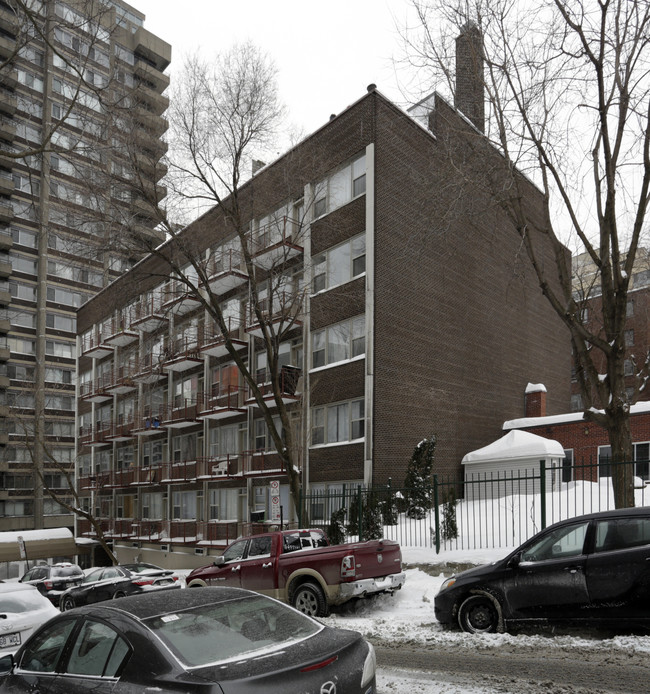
229,572
258,568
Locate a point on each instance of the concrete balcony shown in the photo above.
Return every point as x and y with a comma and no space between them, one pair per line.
6,183
6,211
9,21
144,71
275,243
154,50
7,47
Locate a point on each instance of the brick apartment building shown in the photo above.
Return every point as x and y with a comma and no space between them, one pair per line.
63,68
637,335
414,322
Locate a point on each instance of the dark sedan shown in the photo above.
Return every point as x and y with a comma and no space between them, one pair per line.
212,641
107,583
593,569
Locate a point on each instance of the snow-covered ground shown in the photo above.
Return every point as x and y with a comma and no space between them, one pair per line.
408,617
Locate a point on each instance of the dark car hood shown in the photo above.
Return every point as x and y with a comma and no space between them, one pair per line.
281,670
480,571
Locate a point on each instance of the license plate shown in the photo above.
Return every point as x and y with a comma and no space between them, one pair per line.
7,640
165,582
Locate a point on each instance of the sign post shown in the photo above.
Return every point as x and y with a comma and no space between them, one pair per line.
275,501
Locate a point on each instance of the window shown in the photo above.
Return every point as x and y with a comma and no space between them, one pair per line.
152,505
44,651
184,506
56,321
340,187
339,264
339,342
604,458
630,308
576,402
59,349
628,367
98,651
567,466
629,338
622,533
567,541
338,423
642,460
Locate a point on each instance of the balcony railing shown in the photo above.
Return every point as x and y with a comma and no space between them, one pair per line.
219,467
93,344
261,463
221,403
122,378
226,271
148,369
275,242
213,341
284,309
148,315
184,412
122,431
183,353
178,298
119,334
289,378
96,435
96,390
180,471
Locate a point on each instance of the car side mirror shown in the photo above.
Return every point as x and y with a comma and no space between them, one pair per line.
6,664
513,562
219,561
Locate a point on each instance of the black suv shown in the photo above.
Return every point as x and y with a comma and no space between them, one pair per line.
52,580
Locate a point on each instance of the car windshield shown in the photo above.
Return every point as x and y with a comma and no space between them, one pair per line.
23,601
226,630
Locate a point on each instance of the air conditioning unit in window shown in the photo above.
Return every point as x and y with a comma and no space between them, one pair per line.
200,551
164,548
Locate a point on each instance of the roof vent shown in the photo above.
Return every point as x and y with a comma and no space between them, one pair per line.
371,87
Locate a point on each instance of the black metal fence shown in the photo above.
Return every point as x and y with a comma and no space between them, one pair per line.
484,511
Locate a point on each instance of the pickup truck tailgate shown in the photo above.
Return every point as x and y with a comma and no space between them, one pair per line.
376,559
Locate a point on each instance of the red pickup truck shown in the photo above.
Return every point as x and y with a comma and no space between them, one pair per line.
301,567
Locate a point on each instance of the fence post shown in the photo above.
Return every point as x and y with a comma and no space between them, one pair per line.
436,512
542,491
300,503
359,511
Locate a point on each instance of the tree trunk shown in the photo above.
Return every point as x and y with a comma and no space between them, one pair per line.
622,467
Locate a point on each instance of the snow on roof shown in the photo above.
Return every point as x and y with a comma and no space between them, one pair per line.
516,444
523,422
535,388
45,534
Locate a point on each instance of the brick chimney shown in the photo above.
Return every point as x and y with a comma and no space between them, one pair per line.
535,400
470,94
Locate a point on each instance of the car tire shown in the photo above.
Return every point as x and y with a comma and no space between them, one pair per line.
309,599
67,603
119,594
480,613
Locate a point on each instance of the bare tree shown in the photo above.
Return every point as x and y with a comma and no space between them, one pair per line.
567,89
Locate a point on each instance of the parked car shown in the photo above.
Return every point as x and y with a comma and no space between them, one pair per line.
301,567
109,582
217,640
22,610
53,579
144,569
592,569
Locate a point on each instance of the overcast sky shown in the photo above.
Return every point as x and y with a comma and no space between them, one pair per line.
326,53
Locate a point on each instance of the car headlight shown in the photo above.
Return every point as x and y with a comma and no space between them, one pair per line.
369,666
447,584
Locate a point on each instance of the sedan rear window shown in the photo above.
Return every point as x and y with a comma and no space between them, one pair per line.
222,631
66,571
